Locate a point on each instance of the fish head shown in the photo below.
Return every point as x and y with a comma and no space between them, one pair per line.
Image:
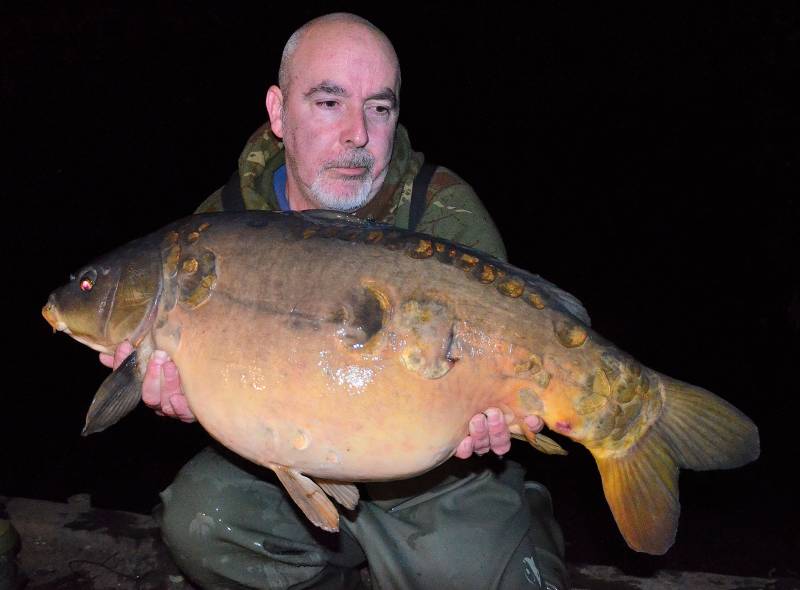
109,300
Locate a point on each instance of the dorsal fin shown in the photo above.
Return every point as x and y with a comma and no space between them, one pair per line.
328,215
564,300
567,300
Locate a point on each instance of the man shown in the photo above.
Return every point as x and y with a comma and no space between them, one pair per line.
464,525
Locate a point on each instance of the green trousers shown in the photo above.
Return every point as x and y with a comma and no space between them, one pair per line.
467,524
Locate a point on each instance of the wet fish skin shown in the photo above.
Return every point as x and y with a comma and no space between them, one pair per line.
327,348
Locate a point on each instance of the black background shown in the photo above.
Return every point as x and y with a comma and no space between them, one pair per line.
645,160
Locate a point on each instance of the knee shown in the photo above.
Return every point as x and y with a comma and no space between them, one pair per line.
547,538
227,527
187,519
206,513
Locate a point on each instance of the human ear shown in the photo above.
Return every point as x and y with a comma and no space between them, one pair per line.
274,109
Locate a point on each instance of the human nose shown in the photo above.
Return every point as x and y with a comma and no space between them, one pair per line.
354,132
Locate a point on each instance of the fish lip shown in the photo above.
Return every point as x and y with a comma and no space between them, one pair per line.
50,313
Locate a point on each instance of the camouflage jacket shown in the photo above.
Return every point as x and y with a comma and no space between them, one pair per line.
453,210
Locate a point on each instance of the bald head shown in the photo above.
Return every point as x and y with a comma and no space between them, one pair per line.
329,31
336,110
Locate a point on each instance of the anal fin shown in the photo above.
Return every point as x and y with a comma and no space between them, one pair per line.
540,442
117,396
345,493
309,497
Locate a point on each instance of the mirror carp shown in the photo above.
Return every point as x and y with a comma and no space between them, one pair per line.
336,351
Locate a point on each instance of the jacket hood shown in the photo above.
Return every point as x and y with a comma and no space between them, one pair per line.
264,154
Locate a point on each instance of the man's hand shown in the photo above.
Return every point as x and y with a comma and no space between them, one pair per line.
161,388
489,432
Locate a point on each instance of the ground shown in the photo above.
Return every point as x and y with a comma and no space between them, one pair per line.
72,546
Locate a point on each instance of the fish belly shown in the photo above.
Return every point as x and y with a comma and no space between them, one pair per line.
277,393
344,359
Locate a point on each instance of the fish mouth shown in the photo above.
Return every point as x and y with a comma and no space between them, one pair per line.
50,313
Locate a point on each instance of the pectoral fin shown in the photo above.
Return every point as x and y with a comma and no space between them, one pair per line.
344,493
309,497
116,398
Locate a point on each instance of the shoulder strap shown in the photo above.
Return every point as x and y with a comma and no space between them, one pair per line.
232,199
419,193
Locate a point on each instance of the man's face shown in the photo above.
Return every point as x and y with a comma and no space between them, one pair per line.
338,119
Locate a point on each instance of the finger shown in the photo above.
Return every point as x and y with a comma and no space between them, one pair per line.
107,359
181,407
171,384
479,431
123,350
499,436
170,387
151,386
166,407
464,450
535,423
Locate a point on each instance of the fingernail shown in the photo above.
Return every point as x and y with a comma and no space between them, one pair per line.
493,416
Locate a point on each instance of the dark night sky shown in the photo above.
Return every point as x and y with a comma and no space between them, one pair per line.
645,160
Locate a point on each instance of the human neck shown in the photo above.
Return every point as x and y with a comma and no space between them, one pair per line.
297,201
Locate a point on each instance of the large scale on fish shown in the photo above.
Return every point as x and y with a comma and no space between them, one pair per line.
334,351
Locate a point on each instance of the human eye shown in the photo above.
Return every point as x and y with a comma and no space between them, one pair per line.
328,104
381,111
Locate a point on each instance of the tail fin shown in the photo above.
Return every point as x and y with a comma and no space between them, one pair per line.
696,430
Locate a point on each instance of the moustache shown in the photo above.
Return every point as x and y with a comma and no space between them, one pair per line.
358,158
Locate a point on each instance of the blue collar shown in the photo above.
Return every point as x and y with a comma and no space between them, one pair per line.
279,184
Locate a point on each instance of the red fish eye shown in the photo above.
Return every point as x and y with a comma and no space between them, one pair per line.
86,285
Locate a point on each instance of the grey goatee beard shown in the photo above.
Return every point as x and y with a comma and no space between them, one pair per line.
328,197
